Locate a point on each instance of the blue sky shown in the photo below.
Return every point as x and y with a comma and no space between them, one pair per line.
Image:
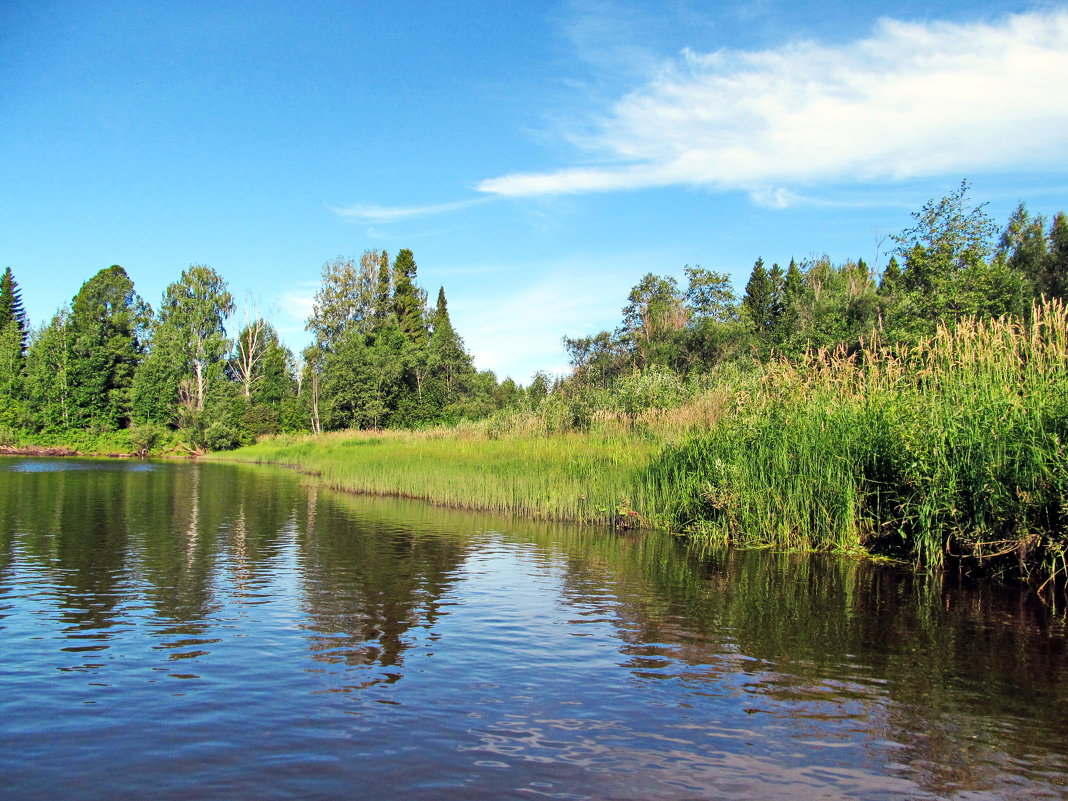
537,157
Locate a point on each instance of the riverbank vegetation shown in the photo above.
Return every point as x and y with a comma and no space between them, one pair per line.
916,409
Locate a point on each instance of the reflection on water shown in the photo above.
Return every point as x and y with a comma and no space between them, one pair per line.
231,631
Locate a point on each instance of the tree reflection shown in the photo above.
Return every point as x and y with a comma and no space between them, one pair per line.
370,579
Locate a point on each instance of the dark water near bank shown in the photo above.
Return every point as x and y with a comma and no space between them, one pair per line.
175,631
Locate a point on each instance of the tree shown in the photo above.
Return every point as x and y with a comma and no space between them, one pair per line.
408,300
448,362
538,391
383,290
11,310
192,318
761,304
946,260
345,299
1024,249
594,359
47,372
250,347
890,280
314,359
362,378
274,381
709,295
655,310
107,327
12,364
1056,281
156,382
789,325
13,325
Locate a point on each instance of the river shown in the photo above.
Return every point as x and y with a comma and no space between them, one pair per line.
203,631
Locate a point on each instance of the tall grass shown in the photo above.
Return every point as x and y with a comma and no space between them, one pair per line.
953,448
569,476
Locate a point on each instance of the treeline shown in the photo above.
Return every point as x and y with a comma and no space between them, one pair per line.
950,265
109,363
383,356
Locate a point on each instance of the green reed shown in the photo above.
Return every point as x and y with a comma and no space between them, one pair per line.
952,448
575,476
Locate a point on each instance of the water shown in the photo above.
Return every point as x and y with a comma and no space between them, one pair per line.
184,631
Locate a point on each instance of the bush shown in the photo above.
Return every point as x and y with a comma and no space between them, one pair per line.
221,437
146,438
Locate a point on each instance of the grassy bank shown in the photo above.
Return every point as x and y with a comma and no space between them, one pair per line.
143,441
570,476
955,447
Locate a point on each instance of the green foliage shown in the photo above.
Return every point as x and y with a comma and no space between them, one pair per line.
709,295
146,438
154,393
105,331
955,447
654,311
762,303
47,385
346,299
362,378
191,326
408,299
11,309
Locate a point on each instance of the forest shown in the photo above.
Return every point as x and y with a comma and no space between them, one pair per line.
196,372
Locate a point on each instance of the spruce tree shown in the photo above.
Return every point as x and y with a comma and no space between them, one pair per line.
407,303
890,281
447,359
1024,249
760,303
383,290
11,310
789,325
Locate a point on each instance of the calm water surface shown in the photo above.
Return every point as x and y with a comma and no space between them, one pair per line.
183,631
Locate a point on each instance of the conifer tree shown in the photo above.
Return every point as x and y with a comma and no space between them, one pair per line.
407,300
1025,250
890,281
760,303
383,290
788,328
447,360
11,310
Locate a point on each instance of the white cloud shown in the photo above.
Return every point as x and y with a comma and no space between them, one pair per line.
388,214
912,100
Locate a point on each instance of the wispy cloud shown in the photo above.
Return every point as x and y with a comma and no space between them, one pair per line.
911,100
388,214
